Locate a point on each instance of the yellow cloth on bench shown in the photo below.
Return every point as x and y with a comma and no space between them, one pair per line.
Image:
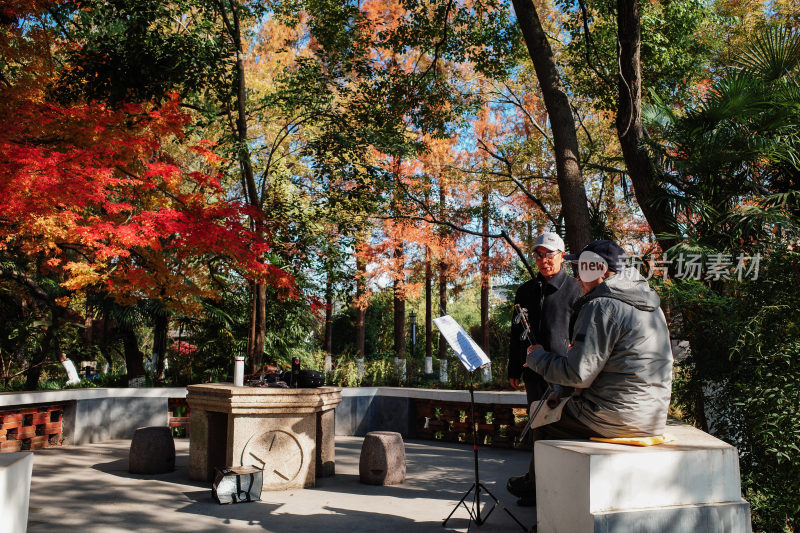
637,441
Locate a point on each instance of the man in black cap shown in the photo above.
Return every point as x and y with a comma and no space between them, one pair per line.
620,358
548,300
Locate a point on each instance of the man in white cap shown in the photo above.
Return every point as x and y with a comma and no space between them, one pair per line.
548,299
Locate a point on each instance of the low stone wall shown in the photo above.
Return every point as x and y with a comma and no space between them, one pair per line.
93,415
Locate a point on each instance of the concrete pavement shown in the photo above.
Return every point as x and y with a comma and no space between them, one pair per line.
88,488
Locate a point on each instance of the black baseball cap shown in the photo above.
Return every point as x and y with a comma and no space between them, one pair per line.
611,252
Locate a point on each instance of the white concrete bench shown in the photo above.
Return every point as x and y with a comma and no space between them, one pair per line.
15,490
690,484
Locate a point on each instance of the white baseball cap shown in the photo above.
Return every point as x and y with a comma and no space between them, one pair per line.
551,241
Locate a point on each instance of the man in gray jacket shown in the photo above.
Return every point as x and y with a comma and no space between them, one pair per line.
620,358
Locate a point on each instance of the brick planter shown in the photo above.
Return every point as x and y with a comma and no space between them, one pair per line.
498,425
30,428
179,413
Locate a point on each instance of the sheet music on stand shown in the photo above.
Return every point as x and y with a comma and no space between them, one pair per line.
469,353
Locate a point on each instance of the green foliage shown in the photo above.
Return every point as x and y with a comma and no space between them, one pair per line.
742,379
140,54
220,333
676,44
376,372
378,334
731,164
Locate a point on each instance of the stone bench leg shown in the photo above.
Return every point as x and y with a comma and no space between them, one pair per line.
383,458
15,490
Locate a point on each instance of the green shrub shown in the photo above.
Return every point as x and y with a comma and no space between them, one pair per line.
742,379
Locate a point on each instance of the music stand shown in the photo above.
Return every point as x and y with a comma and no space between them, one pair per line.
473,358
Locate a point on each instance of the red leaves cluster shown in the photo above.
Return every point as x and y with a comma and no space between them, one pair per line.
91,193
182,349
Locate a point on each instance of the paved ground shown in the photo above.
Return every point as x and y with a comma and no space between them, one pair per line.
88,489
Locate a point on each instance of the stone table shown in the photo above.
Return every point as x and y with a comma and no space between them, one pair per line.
287,432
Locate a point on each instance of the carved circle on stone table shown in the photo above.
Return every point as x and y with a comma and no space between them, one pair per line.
276,451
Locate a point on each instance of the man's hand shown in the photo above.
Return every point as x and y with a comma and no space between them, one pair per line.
534,347
514,382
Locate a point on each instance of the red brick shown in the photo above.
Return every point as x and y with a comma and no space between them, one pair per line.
12,420
41,418
26,432
38,442
11,446
53,427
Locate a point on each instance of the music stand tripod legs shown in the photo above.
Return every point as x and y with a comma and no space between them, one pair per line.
476,487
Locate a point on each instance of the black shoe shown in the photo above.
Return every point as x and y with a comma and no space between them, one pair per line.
520,486
527,501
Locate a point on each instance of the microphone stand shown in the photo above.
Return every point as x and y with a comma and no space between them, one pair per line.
475,511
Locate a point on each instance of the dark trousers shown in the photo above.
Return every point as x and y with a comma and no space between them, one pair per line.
568,427
535,385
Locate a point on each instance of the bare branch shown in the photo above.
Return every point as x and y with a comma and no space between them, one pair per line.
517,101
518,183
431,218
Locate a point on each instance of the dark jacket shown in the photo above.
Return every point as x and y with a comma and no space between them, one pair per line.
621,359
549,305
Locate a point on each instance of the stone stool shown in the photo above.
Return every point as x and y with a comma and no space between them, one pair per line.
383,458
152,451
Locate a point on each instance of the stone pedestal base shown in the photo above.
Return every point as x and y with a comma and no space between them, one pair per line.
287,432
691,484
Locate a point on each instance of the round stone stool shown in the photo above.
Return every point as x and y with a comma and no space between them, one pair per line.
152,451
383,458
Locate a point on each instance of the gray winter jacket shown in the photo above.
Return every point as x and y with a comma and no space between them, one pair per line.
620,359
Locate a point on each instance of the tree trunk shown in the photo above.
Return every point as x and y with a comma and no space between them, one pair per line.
48,344
160,334
258,318
258,327
428,314
361,272
134,358
485,273
565,139
399,305
257,357
442,292
630,129
328,342
442,309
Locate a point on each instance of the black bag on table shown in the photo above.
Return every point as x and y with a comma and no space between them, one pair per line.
310,379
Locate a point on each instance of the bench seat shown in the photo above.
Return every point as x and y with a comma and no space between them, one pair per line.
690,484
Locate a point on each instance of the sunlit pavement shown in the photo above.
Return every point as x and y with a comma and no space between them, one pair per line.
88,489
